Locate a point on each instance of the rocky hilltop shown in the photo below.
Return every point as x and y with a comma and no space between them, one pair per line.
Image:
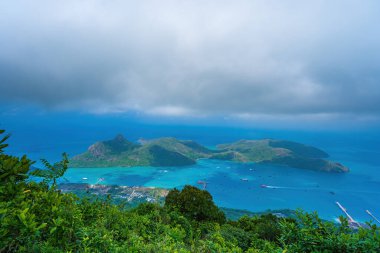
173,152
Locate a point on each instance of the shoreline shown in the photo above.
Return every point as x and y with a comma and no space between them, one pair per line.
139,194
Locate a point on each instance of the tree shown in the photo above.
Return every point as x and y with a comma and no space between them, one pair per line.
52,171
195,204
13,172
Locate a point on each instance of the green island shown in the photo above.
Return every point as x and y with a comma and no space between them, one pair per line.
40,216
173,152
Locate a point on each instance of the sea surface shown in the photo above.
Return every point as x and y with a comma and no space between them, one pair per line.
237,185
233,185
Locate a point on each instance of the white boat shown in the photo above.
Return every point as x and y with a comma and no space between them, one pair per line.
84,178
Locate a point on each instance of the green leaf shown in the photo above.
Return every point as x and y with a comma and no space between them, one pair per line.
53,230
43,225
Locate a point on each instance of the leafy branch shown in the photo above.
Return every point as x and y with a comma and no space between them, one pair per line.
52,171
2,144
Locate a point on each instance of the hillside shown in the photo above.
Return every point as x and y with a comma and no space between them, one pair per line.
169,151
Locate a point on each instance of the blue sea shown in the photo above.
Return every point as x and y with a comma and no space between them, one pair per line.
47,136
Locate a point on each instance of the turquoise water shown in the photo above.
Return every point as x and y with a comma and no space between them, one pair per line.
295,188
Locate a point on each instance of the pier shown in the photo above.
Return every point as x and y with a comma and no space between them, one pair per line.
370,214
353,223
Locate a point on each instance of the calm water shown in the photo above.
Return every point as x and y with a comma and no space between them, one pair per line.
295,188
48,136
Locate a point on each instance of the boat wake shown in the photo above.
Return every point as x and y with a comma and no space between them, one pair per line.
331,191
281,187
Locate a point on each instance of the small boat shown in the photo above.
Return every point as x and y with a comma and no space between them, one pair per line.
84,178
244,179
264,186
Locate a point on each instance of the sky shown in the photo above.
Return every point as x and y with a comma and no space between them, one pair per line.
305,62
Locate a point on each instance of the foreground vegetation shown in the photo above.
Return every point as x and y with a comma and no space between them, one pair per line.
37,217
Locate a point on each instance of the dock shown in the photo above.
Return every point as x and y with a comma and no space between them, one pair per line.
353,223
373,216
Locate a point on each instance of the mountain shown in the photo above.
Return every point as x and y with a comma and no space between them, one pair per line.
157,152
169,151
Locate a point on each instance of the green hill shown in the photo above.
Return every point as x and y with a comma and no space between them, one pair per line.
169,151
158,152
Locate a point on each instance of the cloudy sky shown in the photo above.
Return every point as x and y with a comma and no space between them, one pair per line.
244,59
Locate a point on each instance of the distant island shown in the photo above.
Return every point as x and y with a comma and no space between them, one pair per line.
169,151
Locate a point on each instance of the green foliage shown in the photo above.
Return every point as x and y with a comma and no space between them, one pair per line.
52,172
195,204
13,173
2,140
36,217
265,227
239,236
310,234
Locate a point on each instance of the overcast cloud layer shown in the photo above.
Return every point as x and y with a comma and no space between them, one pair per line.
240,58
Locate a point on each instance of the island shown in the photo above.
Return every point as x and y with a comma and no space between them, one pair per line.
279,152
168,151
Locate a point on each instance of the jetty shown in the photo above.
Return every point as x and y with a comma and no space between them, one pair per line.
353,223
373,216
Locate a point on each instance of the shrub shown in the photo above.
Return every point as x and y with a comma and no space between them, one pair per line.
195,204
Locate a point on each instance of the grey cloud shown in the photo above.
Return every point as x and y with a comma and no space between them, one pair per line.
193,57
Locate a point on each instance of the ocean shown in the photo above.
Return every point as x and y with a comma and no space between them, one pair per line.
232,185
